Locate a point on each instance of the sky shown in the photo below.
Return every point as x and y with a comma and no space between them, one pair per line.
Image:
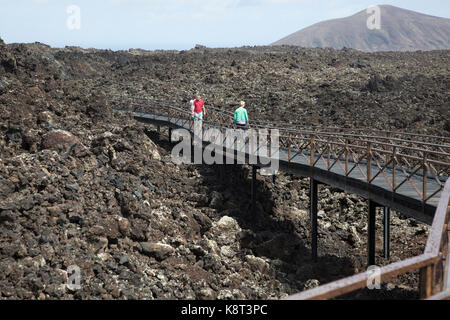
176,24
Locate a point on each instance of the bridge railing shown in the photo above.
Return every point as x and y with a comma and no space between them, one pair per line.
396,160
432,139
433,264
399,160
148,104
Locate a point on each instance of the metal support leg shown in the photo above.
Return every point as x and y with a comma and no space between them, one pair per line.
387,232
313,214
371,226
170,135
254,191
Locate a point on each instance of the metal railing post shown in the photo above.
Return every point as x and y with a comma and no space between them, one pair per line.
346,157
394,168
425,172
313,150
329,154
427,275
289,147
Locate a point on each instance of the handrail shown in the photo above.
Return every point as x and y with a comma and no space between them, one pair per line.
423,145
334,135
406,155
292,127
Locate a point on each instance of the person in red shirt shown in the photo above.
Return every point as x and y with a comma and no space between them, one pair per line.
199,108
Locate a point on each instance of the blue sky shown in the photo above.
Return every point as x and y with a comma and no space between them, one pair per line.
178,24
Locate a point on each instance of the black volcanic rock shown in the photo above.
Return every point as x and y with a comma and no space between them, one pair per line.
7,61
447,125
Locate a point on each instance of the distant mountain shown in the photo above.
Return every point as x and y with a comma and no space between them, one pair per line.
400,30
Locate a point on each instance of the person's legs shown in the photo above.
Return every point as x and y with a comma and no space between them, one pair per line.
242,131
198,126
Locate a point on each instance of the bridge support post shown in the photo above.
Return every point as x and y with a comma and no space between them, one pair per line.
254,191
387,232
314,186
371,228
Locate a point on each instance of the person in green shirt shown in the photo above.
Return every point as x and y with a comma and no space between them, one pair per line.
241,117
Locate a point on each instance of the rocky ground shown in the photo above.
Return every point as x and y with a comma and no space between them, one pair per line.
82,185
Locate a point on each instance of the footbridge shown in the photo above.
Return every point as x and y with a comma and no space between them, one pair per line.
393,170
